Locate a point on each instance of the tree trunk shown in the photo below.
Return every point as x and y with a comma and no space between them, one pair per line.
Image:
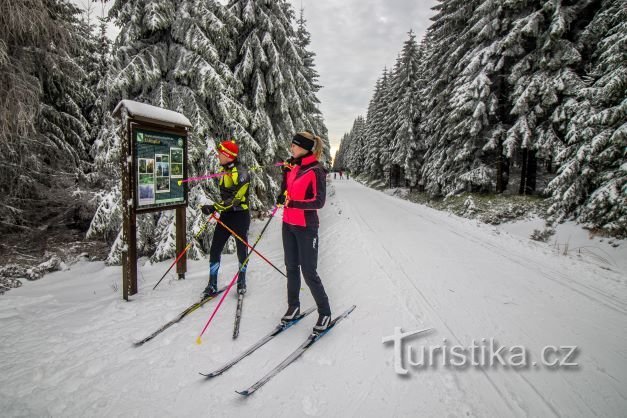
528,172
532,171
549,165
502,169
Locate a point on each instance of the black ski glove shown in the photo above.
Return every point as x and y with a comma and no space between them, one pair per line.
208,209
288,165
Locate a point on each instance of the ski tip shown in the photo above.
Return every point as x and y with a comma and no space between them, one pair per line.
243,392
198,341
141,342
207,375
179,182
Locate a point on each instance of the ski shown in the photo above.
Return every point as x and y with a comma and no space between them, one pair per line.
238,314
295,355
276,331
180,316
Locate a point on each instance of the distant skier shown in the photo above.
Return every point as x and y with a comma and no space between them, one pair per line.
233,209
334,175
303,192
348,176
340,174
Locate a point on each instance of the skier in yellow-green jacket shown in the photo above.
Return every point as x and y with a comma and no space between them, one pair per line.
233,209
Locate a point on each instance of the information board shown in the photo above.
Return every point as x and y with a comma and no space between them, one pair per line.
159,161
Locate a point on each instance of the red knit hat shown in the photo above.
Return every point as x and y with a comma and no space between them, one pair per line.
228,149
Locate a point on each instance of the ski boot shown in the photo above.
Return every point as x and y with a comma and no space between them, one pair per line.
241,283
209,291
212,287
322,325
291,314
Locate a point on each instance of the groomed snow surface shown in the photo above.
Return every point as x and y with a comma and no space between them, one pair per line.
66,341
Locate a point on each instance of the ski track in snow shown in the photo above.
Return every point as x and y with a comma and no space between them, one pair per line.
66,340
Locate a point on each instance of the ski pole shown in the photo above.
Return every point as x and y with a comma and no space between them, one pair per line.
187,247
213,314
210,176
247,244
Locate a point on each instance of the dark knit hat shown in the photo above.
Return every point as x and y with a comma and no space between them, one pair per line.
303,142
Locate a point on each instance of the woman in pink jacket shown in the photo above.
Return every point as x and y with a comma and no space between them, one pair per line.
303,193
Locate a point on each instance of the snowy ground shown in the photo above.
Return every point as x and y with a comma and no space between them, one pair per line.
66,340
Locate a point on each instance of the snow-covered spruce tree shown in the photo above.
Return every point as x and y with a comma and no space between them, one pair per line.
311,74
545,81
368,152
377,134
173,54
307,91
404,108
100,114
278,88
479,100
340,155
303,40
105,175
415,153
42,102
592,181
447,42
356,147
383,128
99,67
94,58
20,161
66,86
308,87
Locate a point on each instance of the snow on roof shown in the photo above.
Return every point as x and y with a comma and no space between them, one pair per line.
148,112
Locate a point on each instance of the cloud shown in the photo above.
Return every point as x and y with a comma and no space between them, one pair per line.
353,41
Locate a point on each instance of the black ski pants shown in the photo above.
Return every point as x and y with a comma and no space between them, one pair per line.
239,222
300,245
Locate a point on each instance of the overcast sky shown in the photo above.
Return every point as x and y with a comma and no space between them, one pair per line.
353,41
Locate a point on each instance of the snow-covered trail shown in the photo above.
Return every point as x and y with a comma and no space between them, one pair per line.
66,341
470,282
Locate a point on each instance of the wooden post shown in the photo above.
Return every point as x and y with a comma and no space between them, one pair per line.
125,285
132,251
126,195
129,233
181,239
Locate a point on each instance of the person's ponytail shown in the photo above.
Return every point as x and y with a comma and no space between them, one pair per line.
318,147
